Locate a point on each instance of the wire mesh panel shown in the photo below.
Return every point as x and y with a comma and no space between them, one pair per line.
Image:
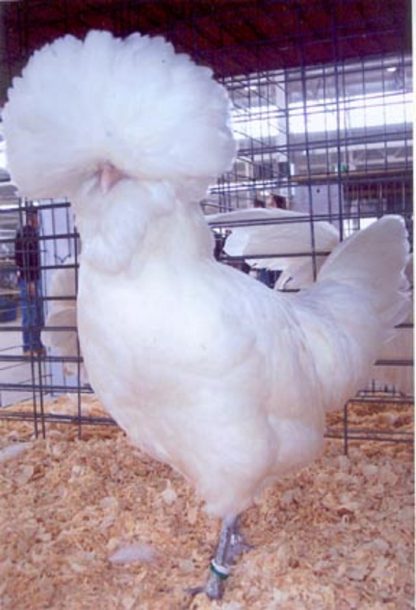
333,142
322,116
37,255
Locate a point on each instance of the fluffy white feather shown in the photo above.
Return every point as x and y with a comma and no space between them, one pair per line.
133,553
399,347
204,367
63,312
264,232
11,451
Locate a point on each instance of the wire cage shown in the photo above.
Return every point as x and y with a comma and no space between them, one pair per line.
322,112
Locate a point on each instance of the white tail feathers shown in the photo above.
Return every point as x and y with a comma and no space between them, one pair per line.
360,295
375,259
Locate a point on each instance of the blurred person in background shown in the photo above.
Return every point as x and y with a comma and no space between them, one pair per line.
27,258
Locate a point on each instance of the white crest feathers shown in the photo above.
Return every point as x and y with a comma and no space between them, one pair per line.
135,103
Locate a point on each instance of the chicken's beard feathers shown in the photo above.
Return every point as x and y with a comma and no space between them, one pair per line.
113,226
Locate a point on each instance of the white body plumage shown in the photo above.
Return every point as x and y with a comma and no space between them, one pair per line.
198,363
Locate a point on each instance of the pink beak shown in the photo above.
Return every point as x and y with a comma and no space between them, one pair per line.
108,177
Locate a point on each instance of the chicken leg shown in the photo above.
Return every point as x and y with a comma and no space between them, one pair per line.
230,544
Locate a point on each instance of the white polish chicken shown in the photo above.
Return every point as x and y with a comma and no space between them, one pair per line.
275,237
205,368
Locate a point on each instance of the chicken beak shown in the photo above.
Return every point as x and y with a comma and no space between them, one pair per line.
108,177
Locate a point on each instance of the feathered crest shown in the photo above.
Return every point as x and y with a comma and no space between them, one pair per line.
135,103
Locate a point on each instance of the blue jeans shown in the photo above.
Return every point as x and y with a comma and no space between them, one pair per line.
32,315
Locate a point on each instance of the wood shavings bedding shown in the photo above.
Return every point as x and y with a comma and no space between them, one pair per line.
376,416
94,523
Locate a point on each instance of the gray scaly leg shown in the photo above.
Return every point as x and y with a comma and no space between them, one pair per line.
230,545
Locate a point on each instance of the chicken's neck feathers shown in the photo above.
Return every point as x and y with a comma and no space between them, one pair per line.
137,224
181,237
